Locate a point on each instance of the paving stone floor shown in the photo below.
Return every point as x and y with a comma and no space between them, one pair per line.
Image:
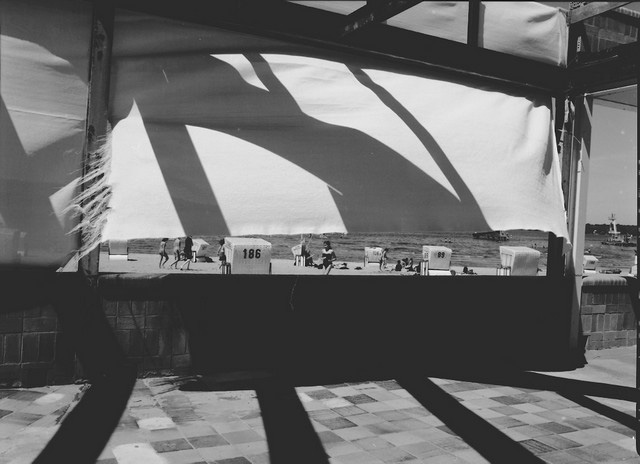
372,422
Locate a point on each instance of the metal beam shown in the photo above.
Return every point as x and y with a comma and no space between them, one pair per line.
473,23
314,27
579,11
376,11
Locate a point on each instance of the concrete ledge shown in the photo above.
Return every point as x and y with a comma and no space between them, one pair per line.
608,280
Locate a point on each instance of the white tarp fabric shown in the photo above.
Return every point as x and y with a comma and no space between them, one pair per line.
224,133
527,29
44,53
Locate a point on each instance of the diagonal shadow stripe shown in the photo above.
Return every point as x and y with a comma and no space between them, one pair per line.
490,442
87,429
602,409
290,434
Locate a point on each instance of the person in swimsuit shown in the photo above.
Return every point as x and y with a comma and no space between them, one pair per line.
176,253
163,252
328,257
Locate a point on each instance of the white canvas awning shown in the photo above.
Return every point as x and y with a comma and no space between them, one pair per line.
218,132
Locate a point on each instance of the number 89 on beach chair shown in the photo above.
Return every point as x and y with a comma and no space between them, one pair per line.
436,260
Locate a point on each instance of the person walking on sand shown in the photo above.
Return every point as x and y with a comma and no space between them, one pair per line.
188,252
176,253
328,257
383,259
163,252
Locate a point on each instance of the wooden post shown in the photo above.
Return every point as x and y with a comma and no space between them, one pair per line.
578,162
98,103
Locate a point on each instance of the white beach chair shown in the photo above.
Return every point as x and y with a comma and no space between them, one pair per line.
299,258
518,261
247,255
436,260
589,264
119,250
372,255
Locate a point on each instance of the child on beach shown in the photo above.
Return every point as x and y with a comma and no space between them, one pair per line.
328,257
383,259
176,253
163,252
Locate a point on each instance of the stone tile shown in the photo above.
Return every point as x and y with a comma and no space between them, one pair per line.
392,455
603,452
360,399
530,431
354,433
536,447
349,411
361,457
372,443
392,415
505,422
365,419
324,414
231,426
507,410
555,427
334,403
376,406
383,427
607,434
409,424
262,458
389,384
530,419
584,437
471,456
166,446
22,419
401,403
558,442
623,430
529,407
253,448
219,452
443,459
329,437
416,411
237,460
481,403
243,436
342,448
323,394
196,429
508,400
26,395
383,395
207,441
345,391
402,438
560,457
451,444
336,423
422,449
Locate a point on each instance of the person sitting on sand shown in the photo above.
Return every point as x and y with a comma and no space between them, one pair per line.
328,257
398,266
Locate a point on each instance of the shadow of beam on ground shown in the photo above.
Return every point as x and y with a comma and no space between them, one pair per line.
87,429
290,434
604,410
490,442
539,381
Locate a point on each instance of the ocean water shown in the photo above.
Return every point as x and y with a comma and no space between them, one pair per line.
466,251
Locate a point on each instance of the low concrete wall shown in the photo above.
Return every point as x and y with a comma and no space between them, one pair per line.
186,323
607,313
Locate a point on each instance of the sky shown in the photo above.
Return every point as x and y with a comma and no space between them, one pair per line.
613,175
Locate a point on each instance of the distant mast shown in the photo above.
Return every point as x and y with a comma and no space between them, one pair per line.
613,227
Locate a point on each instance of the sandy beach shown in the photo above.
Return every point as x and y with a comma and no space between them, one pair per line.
145,263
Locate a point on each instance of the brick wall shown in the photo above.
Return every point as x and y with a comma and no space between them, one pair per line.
607,315
30,341
150,333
